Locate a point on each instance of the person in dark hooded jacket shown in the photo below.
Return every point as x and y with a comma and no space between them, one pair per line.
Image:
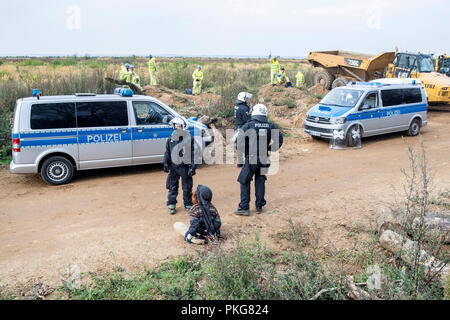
205,221
179,163
242,110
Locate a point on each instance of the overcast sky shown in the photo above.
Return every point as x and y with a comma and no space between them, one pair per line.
224,27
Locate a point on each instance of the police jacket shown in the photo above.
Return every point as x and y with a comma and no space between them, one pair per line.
184,149
241,114
256,134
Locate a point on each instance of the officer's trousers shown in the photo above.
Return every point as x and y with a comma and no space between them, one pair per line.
245,178
173,178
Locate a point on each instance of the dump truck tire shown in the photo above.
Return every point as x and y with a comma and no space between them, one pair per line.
339,82
324,78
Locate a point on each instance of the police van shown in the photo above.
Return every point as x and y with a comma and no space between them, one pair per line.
56,135
363,109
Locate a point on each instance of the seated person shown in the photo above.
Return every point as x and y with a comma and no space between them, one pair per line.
205,221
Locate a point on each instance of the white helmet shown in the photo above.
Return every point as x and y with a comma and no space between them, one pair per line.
259,110
178,121
243,96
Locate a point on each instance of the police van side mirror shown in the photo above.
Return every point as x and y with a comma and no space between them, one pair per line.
167,118
366,106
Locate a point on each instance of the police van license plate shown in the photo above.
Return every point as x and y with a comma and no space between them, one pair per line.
313,133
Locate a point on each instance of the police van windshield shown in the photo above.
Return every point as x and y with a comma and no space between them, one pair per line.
342,98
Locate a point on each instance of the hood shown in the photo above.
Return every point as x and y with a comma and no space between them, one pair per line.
260,118
438,79
328,111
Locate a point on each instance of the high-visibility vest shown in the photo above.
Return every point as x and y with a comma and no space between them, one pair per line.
275,65
136,80
198,74
123,73
300,78
152,64
283,77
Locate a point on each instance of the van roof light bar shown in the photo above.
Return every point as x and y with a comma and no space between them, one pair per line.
124,92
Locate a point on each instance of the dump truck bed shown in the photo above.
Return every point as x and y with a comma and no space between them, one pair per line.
362,61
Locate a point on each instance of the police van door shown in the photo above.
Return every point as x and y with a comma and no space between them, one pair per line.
150,132
369,113
104,134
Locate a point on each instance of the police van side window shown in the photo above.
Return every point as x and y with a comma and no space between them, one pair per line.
370,102
149,113
52,116
412,95
102,114
401,96
391,97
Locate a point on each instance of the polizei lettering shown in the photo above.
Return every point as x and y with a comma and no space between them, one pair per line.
109,137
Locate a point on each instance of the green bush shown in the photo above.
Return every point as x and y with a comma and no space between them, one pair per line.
32,63
69,62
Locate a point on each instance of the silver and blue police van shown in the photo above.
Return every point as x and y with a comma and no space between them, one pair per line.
363,109
56,135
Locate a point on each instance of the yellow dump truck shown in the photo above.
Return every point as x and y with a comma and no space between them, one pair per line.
421,66
340,67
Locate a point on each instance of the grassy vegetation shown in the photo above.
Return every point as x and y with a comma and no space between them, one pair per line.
248,271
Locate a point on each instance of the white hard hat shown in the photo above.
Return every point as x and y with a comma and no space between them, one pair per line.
242,96
259,110
178,121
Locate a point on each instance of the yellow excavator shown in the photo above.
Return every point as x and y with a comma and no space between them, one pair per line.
421,66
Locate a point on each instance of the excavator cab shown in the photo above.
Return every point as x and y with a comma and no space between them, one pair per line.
443,64
409,65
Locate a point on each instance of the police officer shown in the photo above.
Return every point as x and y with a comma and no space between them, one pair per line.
179,162
242,110
255,141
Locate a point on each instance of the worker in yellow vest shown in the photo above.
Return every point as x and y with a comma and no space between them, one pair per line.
135,79
300,79
197,76
125,72
152,69
274,70
283,78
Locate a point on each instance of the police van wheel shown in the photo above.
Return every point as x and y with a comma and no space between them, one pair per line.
351,141
414,128
57,171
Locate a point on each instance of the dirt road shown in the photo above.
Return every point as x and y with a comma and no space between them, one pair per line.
118,216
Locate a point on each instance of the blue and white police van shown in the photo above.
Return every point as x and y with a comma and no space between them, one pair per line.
56,135
363,109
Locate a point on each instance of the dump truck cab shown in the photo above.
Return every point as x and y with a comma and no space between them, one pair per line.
421,66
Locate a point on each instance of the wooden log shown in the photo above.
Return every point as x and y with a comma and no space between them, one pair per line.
407,249
354,292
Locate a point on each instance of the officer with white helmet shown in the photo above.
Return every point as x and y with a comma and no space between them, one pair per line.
242,110
179,163
254,141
